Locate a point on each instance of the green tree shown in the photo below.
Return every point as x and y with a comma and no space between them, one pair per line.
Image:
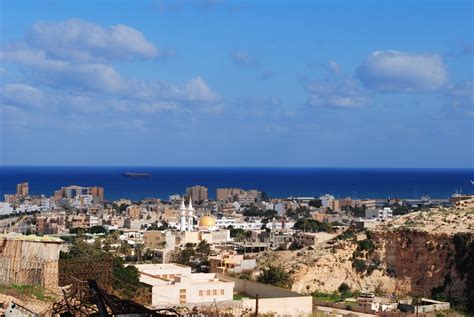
126,279
275,275
311,225
203,248
139,250
316,203
343,288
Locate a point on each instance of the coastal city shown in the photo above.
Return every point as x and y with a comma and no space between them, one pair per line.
236,158
238,253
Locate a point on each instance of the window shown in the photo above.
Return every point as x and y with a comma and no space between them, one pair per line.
214,292
201,293
222,292
208,292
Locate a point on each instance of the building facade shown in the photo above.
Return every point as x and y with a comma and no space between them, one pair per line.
174,284
197,193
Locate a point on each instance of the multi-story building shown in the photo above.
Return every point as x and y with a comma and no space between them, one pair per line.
174,284
41,224
134,212
22,189
230,262
155,239
197,193
244,197
328,201
379,214
71,192
226,208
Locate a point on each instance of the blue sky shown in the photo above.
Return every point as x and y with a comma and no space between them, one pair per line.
227,83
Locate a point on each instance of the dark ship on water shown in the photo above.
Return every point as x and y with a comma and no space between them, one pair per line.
136,174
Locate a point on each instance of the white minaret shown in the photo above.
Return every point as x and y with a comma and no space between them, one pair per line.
190,214
182,222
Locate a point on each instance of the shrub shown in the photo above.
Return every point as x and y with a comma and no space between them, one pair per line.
343,288
359,265
275,275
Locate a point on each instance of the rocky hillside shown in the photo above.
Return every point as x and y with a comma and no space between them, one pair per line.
429,253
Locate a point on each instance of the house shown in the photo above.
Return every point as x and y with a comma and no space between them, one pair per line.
231,262
174,284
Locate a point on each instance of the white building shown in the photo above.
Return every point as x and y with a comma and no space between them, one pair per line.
174,198
174,284
82,201
280,208
326,200
47,203
5,208
379,214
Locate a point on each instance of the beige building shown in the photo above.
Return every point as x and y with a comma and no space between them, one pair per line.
22,189
134,212
231,262
238,194
174,284
212,237
197,193
75,190
155,239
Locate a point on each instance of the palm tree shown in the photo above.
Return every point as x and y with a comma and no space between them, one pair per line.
125,249
139,248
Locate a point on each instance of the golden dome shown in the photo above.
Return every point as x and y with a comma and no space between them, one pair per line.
207,221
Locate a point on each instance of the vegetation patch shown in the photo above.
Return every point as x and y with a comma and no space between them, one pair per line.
28,291
275,275
343,292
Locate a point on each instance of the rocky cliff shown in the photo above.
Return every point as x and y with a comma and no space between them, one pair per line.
429,253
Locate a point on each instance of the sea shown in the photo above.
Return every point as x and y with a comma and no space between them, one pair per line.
275,182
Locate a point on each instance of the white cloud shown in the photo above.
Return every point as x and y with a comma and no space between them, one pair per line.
157,107
71,61
22,95
462,89
243,58
461,98
197,90
335,90
81,40
61,73
393,71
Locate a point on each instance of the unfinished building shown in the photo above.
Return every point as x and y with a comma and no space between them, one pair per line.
29,260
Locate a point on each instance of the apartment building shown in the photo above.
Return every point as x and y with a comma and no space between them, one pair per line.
134,212
155,239
231,262
197,193
22,189
71,192
379,214
244,197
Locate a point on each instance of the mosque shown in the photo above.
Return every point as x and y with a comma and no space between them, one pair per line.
186,223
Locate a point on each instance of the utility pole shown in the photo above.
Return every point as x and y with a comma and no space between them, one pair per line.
256,305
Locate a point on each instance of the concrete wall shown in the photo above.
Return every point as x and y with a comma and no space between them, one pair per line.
289,306
272,299
253,288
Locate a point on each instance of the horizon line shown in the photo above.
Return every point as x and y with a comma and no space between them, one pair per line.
243,167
